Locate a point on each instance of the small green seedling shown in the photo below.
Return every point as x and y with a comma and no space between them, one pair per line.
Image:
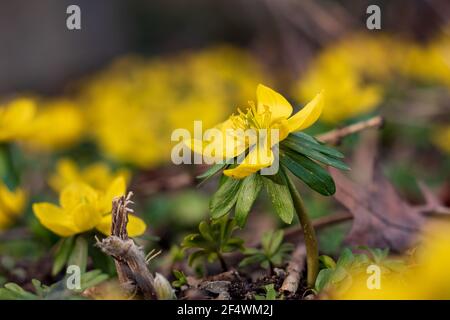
272,254
213,240
58,290
181,279
271,294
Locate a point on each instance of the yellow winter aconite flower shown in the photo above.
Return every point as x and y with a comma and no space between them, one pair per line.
15,119
12,204
272,111
83,208
58,124
136,104
98,175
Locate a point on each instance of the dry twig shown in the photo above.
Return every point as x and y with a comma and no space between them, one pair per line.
294,270
129,258
335,136
320,223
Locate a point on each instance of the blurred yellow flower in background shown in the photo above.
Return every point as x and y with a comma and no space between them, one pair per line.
134,106
16,118
12,205
348,99
57,124
441,138
429,63
427,278
343,71
357,71
83,208
98,175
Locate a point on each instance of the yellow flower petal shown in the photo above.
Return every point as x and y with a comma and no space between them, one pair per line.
85,217
100,176
66,173
55,219
226,146
277,104
136,226
223,126
75,194
308,115
21,111
117,188
15,118
12,201
57,125
283,131
258,158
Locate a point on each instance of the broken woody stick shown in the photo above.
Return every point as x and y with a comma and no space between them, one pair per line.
335,136
294,270
130,261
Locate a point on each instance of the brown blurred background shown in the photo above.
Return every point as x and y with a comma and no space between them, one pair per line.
38,53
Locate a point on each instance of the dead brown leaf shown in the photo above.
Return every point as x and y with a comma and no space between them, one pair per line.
381,217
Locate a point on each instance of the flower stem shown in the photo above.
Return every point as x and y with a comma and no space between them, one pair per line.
223,264
312,251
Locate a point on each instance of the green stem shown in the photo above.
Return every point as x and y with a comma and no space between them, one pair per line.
312,250
223,264
271,267
8,172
